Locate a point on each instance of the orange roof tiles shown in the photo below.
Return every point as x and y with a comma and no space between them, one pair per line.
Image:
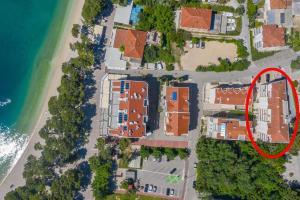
231,96
177,113
273,36
279,4
278,130
134,42
233,129
196,18
132,104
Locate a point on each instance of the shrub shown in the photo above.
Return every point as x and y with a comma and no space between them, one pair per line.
296,83
296,63
151,54
225,65
169,67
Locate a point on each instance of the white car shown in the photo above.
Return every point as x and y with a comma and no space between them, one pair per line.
172,192
150,188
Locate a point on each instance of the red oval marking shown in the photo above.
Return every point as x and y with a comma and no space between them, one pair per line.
261,152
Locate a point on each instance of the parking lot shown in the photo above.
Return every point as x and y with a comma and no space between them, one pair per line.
162,175
209,55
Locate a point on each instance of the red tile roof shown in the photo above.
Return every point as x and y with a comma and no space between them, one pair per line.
162,143
178,114
131,104
279,4
273,36
134,42
231,96
277,129
233,129
196,18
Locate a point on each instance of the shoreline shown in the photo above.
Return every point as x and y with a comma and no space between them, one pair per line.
62,53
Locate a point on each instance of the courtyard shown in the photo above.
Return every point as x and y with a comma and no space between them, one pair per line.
193,57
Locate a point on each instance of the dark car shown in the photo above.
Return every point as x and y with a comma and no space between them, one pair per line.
154,188
202,45
173,170
168,191
194,184
146,188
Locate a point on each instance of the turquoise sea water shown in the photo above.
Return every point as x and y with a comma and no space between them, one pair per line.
25,27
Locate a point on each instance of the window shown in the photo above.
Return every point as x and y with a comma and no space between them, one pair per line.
145,102
282,18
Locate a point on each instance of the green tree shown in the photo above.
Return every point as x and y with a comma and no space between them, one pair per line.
252,177
76,30
151,54
296,63
91,10
145,152
67,186
183,153
251,12
157,152
124,143
170,153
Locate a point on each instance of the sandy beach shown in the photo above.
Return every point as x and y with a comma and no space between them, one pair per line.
62,54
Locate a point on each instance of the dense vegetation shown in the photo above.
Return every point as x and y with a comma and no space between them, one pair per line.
225,65
101,166
296,63
294,40
91,9
234,170
251,12
160,18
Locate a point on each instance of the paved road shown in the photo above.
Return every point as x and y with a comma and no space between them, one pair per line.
94,107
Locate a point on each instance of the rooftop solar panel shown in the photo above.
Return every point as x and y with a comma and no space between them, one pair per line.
174,96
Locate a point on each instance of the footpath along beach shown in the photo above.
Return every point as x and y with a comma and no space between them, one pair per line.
62,54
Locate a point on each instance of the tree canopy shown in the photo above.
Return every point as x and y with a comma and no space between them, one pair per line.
235,170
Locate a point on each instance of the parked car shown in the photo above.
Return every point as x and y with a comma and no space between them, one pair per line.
154,188
168,191
202,45
195,165
148,133
194,184
172,192
146,188
173,170
191,45
150,188
198,45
